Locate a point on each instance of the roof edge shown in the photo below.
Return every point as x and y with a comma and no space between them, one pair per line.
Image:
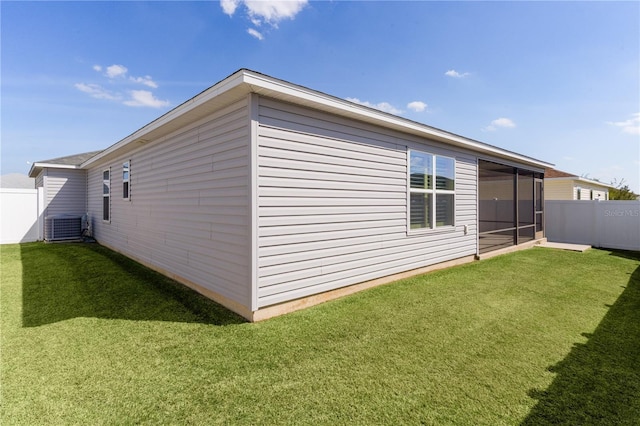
581,179
257,82
234,80
36,168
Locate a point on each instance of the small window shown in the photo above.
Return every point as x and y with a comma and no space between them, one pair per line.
106,194
126,186
431,190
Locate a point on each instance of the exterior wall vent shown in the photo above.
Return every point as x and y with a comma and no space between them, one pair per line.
62,227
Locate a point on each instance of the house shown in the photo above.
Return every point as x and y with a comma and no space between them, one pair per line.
267,196
561,185
63,183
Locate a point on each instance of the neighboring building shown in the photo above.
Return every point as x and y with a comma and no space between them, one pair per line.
264,195
16,181
559,185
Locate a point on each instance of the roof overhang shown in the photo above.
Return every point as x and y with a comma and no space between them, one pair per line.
243,82
583,180
36,168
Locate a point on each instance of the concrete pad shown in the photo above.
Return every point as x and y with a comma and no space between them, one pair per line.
566,246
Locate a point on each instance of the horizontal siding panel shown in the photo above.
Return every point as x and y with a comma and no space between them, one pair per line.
320,159
329,176
301,120
386,259
334,256
332,204
285,202
371,271
298,142
65,192
297,231
266,300
336,193
183,155
311,247
290,220
266,241
268,164
336,185
189,211
268,212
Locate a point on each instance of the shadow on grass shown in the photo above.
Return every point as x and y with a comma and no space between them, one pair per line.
65,281
599,381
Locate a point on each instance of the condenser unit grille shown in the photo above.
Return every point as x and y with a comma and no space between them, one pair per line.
62,227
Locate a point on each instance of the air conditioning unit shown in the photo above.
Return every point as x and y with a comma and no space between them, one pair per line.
62,227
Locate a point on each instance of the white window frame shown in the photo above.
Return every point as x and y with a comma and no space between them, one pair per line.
433,191
126,182
106,183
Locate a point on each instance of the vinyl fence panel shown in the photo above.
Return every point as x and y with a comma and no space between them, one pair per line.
610,224
19,215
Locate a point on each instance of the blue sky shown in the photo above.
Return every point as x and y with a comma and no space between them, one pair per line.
558,81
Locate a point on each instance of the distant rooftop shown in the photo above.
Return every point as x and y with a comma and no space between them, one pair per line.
553,173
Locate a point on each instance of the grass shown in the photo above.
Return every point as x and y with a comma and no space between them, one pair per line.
535,337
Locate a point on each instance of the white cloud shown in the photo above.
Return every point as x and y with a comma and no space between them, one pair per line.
456,74
382,106
229,6
264,11
500,123
630,126
273,11
146,80
120,71
97,91
144,98
255,33
417,106
135,98
114,71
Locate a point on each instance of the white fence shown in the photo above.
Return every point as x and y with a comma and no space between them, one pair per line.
610,224
20,215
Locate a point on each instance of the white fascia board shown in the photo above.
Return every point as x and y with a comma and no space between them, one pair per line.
36,167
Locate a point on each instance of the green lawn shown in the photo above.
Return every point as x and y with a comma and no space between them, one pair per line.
536,337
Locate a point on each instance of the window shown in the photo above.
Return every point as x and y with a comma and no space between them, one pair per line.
431,190
106,194
126,187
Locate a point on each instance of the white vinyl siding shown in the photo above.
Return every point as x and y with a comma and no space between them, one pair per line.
189,215
65,191
332,204
39,181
